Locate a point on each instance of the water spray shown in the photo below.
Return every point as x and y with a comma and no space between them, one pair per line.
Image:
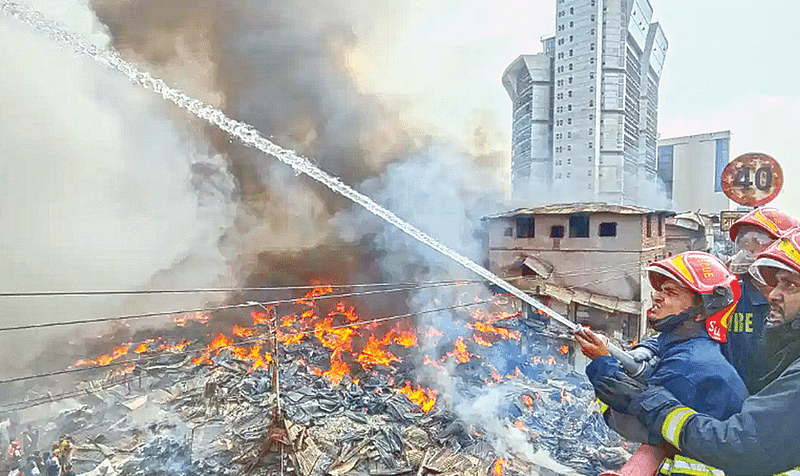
251,137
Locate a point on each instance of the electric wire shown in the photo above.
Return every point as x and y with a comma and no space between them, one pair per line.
210,309
224,290
260,339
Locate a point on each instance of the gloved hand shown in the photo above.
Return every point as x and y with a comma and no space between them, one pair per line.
618,390
652,406
647,356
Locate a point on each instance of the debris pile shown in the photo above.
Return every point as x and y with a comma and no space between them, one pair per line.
376,408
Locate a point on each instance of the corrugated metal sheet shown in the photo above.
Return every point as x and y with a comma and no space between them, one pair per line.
580,207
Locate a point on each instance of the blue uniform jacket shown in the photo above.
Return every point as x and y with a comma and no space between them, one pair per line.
694,370
745,329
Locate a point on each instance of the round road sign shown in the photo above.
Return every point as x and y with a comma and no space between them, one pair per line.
752,179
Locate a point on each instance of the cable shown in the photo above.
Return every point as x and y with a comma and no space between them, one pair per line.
244,342
205,310
225,290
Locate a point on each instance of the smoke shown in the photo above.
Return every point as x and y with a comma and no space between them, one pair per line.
101,189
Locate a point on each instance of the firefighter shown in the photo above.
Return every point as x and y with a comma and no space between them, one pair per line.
762,438
694,294
752,233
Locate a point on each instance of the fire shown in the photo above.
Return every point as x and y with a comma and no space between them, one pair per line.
427,361
243,331
259,317
374,353
519,425
499,463
338,370
528,400
334,338
564,349
348,312
481,341
490,329
200,317
106,359
496,376
425,397
318,291
460,351
179,347
406,338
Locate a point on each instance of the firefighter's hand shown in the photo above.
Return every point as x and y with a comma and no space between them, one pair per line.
618,391
592,345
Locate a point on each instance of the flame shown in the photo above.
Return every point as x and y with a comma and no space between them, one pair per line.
427,361
551,360
487,328
499,463
338,370
528,400
519,424
308,298
460,351
374,353
260,317
406,338
200,317
106,359
179,347
564,349
243,331
348,312
425,397
496,376
481,341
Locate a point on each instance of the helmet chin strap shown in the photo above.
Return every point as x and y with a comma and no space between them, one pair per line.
670,322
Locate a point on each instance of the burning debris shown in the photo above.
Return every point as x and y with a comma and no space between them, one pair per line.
321,391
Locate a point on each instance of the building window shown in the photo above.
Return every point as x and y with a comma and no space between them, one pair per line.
571,24
592,32
569,120
570,52
560,82
508,231
569,148
525,227
569,161
660,225
570,38
569,107
557,231
569,93
579,225
590,145
608,229
591,47
591,130
560,96
589,173
558,135
569,67
591,89
591,75
569,134
591,59
591,117
571,10
649,226
591,102
591,18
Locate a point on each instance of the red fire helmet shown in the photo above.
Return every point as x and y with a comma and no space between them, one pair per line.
771,220
783,254
706,275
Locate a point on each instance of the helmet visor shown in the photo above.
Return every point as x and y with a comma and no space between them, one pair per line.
753,240
764,269
658,275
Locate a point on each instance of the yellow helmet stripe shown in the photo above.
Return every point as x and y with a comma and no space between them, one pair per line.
788,248
759,217
680,265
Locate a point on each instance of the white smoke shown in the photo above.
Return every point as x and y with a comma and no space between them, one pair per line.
100,189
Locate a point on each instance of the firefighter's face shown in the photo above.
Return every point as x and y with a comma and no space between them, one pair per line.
671,298
784,299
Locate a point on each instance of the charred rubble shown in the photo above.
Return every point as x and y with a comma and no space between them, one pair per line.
169,416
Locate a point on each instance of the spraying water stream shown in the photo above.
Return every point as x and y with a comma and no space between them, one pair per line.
253,138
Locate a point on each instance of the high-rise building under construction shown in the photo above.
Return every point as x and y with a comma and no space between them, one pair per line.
585,110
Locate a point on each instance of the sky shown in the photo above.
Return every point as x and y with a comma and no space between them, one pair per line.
727,68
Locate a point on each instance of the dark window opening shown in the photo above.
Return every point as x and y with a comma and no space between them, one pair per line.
608,229
660,225
525,227
557,231
508,232
649,226
579,225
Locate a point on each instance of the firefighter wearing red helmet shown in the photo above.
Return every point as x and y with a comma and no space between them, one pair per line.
761,439
752,233
693,296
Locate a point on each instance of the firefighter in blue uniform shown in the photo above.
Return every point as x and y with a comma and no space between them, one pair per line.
694,295
752,233
762,439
